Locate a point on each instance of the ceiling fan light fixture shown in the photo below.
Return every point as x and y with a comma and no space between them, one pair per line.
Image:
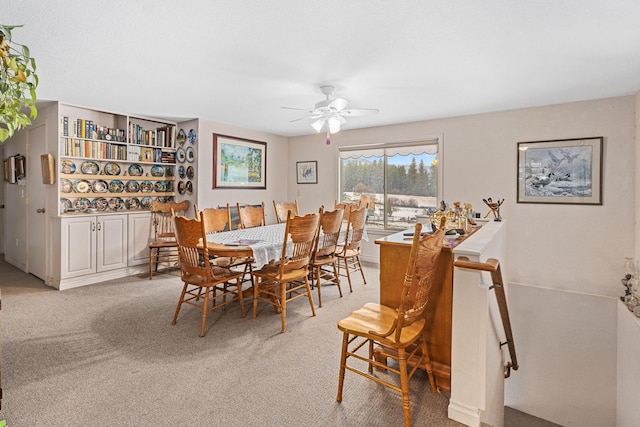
334,125
318,125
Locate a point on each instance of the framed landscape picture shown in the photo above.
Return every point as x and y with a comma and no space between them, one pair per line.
239,163
307,172
563,171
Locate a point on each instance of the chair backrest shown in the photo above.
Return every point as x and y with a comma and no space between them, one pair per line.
300,233
330,223
162,221
194,256
215,220
347,208
282,208
355,228
419,277
251,216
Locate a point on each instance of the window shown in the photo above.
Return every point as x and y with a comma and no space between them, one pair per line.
403,180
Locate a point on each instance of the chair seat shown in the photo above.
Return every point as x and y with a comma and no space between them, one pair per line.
218,272
271,271
374,320
163,244
324,260
348,254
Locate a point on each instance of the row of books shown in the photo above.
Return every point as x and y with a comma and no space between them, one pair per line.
92,149
81,128
108,151
160,137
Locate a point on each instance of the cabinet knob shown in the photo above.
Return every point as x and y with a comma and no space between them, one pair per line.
41,210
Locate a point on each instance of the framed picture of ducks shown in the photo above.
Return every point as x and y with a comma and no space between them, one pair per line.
561,171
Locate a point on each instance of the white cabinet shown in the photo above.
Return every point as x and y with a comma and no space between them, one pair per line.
139,237
93,244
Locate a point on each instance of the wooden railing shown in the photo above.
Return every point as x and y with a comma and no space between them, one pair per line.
493,266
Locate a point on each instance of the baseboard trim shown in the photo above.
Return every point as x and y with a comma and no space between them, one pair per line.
463,414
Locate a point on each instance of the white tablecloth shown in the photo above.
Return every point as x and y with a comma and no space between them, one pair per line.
268,246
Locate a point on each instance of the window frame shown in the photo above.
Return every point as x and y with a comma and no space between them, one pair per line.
427,140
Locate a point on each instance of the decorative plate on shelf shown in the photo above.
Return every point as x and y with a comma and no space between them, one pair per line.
136,170
157,170
146,203
181,138
65,185
82,204
169,171
100,186
90,168
146,187
132,203
181,188
168,186
116,186
101,204
190,172
68,166
163,199
191,154
116,204
181,171
132,186
189,187
159,187
112,169
65,205
82,186
192,136
181,155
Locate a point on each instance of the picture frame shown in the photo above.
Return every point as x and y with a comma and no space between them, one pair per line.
239,163
307,172
47,164
561,171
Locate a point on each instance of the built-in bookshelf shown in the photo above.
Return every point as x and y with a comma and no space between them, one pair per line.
110,162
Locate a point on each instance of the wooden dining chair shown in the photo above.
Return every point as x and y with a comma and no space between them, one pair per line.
346,207
164,248
282,208
251,216
279,283
216,221
206,285
348,254
324,252
401,331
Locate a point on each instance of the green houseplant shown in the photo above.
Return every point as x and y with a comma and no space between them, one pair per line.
18,82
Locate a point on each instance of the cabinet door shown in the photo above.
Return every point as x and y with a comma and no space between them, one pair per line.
111,242
139,237
78,246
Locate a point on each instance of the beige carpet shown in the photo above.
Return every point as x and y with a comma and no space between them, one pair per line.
107,355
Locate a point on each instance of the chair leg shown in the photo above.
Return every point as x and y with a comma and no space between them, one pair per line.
343,364
205,309
404,386
256,290
283,304
361,270
346,267
150,263
306,282
239,290
337,278
318,284
175,316
427,361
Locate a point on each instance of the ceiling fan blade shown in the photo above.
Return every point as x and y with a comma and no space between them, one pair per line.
338,104
311,117
360,112
298,109
318,124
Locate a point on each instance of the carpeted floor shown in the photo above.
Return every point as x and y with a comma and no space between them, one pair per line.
107,355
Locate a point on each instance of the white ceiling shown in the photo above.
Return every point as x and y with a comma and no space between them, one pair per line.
239,61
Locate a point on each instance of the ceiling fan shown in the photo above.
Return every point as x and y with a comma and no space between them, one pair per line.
329,114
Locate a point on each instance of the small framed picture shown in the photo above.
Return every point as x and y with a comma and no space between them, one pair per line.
307,172
565,171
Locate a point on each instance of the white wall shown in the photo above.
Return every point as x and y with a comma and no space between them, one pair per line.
557,253
277,169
